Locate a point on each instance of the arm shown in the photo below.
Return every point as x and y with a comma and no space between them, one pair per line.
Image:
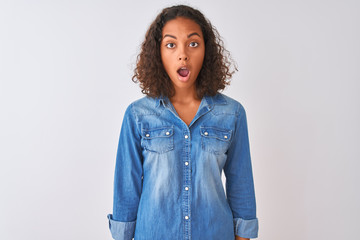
240,238
127,180
239,181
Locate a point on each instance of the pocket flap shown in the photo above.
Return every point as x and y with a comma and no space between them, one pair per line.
211,132
157,132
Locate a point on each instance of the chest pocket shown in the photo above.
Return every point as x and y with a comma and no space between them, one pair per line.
158,140
215,140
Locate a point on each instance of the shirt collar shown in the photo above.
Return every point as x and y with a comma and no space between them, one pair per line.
160,100
218,99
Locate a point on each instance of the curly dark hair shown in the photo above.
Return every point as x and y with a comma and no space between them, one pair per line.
215,73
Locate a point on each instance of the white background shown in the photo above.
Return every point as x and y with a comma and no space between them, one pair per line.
65,71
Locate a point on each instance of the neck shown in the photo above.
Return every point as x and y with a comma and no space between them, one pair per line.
184,96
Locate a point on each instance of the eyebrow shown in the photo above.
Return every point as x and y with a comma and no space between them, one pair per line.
191,34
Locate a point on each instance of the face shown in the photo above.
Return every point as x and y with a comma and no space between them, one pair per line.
182,51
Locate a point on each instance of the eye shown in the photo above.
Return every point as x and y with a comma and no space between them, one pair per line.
170,45
193,44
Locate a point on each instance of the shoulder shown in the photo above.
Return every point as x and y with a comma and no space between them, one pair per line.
227,105
143,106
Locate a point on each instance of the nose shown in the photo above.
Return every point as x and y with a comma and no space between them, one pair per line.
183,55
183,58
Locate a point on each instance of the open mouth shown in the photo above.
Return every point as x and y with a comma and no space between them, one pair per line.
183,72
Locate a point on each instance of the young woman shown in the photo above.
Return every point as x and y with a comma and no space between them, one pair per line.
175,142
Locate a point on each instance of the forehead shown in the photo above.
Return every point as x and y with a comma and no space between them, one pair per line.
181,25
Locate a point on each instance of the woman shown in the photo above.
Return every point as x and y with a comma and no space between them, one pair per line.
175,142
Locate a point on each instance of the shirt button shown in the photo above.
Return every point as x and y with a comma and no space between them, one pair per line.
147,135
206,133
167,133
186,217
186,163
186,136
225,137
186,188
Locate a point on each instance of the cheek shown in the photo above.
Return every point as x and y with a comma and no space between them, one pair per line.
200,60
164,58
163,61
200,55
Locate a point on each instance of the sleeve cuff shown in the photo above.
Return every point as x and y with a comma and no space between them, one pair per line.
246,228
121,230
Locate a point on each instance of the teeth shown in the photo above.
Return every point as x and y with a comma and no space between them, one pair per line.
182,68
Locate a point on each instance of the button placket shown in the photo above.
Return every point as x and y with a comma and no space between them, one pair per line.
186,184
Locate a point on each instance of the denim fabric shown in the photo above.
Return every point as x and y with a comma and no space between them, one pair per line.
167,181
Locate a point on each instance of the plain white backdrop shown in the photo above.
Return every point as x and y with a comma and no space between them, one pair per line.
65,81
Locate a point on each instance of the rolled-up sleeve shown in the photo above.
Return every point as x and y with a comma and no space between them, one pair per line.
240,190
127,179
121,230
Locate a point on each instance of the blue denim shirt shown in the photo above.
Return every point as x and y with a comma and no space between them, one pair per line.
168,175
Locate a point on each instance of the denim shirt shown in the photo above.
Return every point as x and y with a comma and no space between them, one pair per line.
167,182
